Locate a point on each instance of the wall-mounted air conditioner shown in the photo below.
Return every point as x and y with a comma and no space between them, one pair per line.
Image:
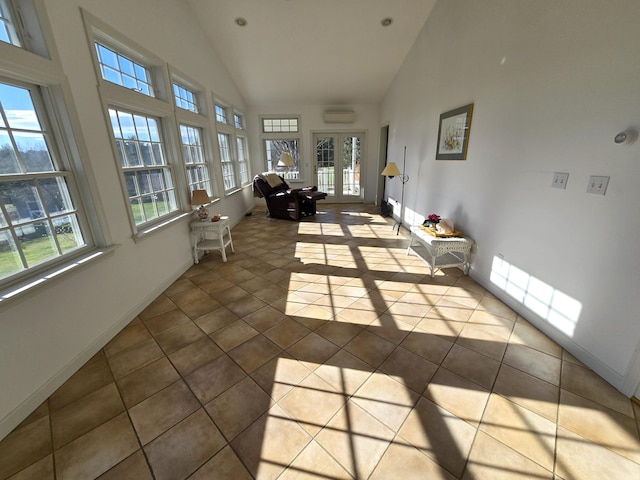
339,116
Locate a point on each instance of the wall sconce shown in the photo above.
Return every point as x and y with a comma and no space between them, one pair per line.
200,197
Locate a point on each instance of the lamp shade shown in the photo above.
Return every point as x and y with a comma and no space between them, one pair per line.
200,197
286,160
391,170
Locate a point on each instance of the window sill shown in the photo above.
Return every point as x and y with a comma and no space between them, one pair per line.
145,233
43,279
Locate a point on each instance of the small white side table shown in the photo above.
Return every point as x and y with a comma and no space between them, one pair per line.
441,252
210,235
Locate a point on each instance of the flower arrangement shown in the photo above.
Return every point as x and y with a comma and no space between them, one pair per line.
431,221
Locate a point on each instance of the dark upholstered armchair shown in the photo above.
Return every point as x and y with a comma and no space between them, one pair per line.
283,201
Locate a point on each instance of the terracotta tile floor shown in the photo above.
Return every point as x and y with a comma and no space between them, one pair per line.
321,350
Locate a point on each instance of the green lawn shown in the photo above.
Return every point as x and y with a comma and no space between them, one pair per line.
36,251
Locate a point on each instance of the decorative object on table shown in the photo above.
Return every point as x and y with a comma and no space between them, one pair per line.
216,217
200,197
391,170
453,133
443,228
432,220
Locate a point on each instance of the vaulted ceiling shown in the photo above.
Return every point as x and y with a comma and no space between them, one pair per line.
327,52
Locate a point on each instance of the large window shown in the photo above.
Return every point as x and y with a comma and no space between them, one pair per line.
39,217
280,135
232,143
243,159
228,173
185,98
121,70
194,158
148,176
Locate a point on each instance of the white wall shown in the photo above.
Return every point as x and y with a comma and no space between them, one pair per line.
552,83
311,121
47,335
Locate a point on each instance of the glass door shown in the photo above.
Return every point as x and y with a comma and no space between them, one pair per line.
338,163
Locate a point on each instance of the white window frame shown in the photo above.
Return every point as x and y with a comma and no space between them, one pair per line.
232,167
292,174
28,27
160,107
45,76
202,122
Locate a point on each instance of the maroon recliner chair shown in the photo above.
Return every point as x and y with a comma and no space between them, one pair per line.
285,202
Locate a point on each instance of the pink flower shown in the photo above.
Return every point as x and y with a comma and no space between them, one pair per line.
434,218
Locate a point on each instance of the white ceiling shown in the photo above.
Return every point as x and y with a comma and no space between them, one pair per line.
326,52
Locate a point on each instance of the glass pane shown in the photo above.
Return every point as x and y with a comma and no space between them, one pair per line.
56,195
115,124
8,160
38,243
3,220
21,200
10,262
18,107
144,182
129,82
145,89
147,154
157,180
130,179
325,159
351,166
153,129
108,57
171,200
33,151
126,66
68,233
136,208
158,157
131,152
141,73
197,154
122,153
142,129
111,75
150,211
163,204
127,125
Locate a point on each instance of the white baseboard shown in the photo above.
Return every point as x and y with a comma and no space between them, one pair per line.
33,401
602,369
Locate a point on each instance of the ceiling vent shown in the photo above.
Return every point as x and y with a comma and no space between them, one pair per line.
339,116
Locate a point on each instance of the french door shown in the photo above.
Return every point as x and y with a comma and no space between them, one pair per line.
337,167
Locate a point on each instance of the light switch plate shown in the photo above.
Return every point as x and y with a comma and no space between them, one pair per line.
560,180
598,185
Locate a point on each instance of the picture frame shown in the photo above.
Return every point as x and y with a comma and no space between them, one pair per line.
453,133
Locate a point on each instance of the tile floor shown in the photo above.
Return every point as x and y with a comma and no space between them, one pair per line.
320,350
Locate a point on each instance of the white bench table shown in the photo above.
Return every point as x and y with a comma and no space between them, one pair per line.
441,252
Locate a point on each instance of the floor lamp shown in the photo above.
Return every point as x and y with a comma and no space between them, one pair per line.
391,170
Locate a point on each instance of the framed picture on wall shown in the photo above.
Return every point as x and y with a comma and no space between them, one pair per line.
453,133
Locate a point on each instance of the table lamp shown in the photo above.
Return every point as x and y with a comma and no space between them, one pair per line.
200,197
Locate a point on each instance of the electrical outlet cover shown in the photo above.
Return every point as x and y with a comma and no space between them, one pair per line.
598,185
560,180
